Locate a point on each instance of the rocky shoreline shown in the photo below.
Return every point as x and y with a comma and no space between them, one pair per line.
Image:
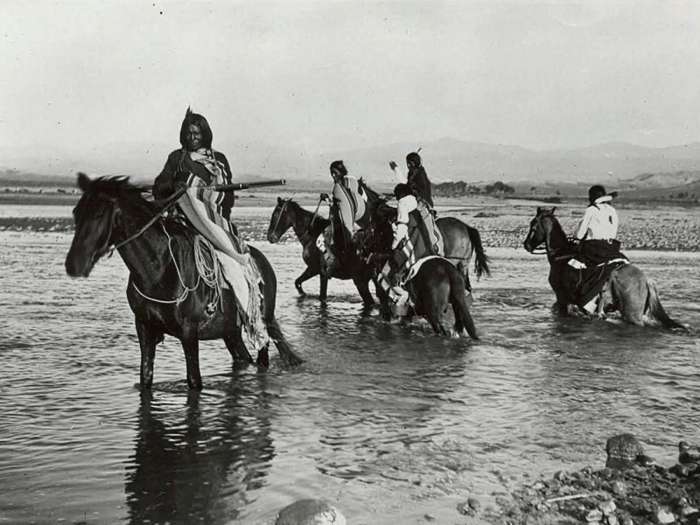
682,234
630,490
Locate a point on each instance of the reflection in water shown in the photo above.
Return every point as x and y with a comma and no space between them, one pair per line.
387,421
199,463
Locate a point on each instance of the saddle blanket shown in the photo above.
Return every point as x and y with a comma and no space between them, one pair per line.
415,268
578,265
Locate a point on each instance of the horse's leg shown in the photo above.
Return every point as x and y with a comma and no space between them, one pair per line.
362,285
148,339
434,315
458,299
323,293
269,301
384,301
236,347
305,276
629,286
463,269
190,345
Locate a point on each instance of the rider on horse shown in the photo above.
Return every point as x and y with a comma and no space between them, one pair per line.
598,228
598,249
347,207
196,166
419,198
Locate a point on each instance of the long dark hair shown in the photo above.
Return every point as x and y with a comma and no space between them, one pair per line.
199,121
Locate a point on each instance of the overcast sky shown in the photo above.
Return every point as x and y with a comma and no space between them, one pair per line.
338,75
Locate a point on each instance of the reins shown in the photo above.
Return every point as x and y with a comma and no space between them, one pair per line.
279,215
169,203
547,250
303,238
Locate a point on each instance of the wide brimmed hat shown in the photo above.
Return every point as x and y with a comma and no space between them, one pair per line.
597,191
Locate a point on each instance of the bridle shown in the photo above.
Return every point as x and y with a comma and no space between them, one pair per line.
304,236
279,215
537,250
170,202
547,249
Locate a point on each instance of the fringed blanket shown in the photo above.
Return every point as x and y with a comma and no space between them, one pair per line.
202,207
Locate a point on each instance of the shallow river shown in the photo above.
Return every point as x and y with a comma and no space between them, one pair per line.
388,422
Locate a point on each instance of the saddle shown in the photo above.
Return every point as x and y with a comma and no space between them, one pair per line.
424,233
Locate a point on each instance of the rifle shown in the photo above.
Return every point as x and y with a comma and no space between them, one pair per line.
224,187
245,185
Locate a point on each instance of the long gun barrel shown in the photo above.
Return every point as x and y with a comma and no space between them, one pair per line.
245,185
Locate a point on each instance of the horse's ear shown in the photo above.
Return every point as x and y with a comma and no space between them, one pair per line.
554,208
279,200
539,210
83,182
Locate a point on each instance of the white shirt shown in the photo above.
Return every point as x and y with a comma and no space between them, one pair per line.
405,206
599,221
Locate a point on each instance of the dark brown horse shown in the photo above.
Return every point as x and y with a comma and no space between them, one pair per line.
461,240
434,286
165,290
307,227
627,290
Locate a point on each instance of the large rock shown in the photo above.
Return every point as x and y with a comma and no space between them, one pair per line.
310,512
623,451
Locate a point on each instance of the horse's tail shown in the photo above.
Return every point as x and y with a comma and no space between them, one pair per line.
481,261
283,346
270,293
657,311
458,299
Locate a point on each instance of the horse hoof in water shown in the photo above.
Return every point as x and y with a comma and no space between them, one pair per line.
263,358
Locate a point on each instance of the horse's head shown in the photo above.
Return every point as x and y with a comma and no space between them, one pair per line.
378,234
280,221
540,228
372,196
95,216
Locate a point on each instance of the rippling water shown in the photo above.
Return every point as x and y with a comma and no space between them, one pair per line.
387,421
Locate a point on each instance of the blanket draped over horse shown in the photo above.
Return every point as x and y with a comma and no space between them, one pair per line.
423,240
203,208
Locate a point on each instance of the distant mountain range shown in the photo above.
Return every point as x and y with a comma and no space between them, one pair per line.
445,160
455,160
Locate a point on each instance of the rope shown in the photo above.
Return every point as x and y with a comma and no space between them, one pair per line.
211,275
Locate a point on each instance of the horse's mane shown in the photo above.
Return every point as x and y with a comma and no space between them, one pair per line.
121,187
556,225
116,185
557,229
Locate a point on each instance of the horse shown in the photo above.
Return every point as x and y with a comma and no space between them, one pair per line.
627,289
166,291
435,284
461,241
308,226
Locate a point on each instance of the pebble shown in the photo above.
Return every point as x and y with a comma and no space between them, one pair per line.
310,512
664,516
474,503
608,508
612,520
687,510
618,487
594,515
